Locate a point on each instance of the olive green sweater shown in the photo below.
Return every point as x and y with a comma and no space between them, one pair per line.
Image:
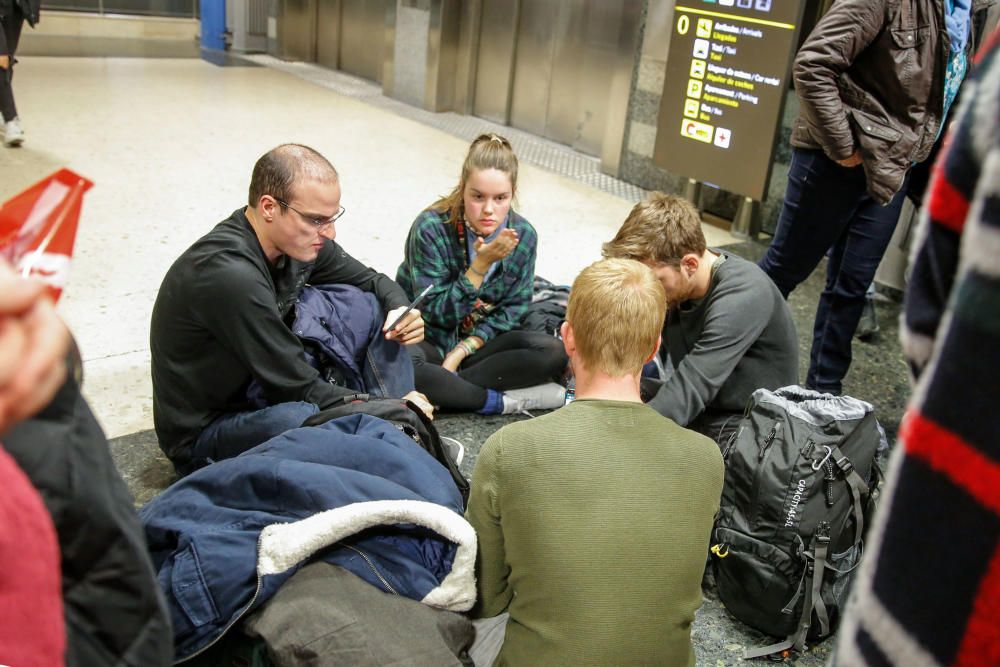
593,525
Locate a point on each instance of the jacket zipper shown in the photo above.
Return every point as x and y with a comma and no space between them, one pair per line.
768,440
761,453
239,617
374,569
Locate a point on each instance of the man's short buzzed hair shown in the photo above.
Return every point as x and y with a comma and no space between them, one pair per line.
616,308
661,229
280,168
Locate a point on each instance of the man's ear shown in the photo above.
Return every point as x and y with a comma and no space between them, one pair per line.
690,263
656,348
569,341
268,207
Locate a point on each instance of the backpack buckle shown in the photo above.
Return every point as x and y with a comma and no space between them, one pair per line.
721,550
845,465
816,465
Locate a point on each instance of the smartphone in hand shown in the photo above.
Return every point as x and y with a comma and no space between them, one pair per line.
413,304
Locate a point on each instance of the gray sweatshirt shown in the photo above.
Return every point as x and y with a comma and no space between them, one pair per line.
738,338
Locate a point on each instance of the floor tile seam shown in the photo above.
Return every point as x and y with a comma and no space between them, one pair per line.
346,84
125,295
113,355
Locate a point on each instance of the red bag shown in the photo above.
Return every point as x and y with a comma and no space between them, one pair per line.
38,228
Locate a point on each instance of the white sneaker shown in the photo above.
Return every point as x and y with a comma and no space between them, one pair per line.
454,449
547,396
13,135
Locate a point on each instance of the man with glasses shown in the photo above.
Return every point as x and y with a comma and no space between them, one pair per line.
220,318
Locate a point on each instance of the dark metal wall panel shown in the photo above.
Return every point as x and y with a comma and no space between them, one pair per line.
388,78
362,37
257,17
567,72
584,65
494,66
298,30
570,63
619,89
533,61
328,23
442,55
467,58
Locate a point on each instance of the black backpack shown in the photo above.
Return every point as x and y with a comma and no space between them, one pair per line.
801,484
407,417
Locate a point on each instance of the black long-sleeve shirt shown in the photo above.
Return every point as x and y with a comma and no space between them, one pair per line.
218,322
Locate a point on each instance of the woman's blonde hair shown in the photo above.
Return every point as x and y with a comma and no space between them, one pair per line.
488,151
616,309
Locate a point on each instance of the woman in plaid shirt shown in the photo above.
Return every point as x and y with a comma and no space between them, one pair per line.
480,256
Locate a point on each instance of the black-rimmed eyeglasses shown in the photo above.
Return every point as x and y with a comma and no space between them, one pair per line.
315,222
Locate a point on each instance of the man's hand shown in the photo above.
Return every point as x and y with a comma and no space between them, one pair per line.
498,248
408,332
421,402
33,346
852,161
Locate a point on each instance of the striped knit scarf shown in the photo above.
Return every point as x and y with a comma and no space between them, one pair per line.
928,593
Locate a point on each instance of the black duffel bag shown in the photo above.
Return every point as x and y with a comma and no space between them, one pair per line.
407,417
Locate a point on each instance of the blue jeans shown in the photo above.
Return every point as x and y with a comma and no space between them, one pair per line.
827,209
234,433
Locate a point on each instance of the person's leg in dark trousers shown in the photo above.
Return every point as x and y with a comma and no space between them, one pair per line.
11,35
512,360
516,359
821,198
441,387
853,262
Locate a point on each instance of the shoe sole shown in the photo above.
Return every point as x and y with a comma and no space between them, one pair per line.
461,449
13,143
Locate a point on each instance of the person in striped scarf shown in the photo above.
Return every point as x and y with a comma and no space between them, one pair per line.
929,589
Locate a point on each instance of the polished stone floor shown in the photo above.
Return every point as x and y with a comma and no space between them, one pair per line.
170,144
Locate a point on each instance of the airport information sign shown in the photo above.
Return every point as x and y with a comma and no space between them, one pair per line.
727,73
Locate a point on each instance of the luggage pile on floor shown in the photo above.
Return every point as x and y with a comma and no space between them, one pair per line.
355,495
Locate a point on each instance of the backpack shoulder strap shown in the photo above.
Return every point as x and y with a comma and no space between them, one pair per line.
814,600
857,486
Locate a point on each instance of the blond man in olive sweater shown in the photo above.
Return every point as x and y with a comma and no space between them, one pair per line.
594,521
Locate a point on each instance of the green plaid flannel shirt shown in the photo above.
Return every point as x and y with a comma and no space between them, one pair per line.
454,309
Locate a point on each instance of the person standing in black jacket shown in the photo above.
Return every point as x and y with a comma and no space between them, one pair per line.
219,321
12,16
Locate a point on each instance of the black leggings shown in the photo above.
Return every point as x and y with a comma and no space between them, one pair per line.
510,361
10,35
